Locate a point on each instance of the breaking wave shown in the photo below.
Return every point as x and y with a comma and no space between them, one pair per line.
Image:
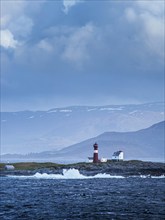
68,174
72,174
75,174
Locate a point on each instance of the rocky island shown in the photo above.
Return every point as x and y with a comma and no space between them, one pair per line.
119,168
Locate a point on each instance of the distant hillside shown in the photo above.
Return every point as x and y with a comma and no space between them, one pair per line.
36,131
146,144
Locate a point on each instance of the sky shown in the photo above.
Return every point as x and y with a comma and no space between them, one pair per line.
57,53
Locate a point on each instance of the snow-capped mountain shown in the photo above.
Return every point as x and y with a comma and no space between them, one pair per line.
36,131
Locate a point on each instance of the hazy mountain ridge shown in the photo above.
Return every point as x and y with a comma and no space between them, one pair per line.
36,131
146,144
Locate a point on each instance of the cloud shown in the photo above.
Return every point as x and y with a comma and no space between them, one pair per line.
69,44
130,15
68,4
154,7
153,33
9,12
77,44
45,45
69,56
16,21
22,26
148,16
7,39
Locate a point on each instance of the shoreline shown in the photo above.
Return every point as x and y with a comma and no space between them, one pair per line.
117,168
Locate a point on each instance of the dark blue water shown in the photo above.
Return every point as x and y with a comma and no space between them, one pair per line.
128,198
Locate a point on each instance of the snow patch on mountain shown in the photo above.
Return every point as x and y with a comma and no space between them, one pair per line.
65,110
111,109
31,117
35,131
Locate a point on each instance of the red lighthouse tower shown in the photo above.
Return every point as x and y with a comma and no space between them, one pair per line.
95,154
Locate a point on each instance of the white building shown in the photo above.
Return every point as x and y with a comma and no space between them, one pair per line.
118,155
103,160
90,159
9,167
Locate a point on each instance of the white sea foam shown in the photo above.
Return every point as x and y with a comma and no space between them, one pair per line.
68,174
75,174
148,176
158,177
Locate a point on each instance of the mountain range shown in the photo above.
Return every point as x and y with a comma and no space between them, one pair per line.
146,144
27,132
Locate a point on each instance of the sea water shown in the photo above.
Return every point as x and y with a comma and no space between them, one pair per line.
75,196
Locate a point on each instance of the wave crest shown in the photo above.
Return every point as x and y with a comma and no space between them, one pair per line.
75,174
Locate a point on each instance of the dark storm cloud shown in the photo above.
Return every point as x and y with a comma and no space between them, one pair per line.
82,52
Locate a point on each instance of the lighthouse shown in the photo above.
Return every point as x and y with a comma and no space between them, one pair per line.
95,154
